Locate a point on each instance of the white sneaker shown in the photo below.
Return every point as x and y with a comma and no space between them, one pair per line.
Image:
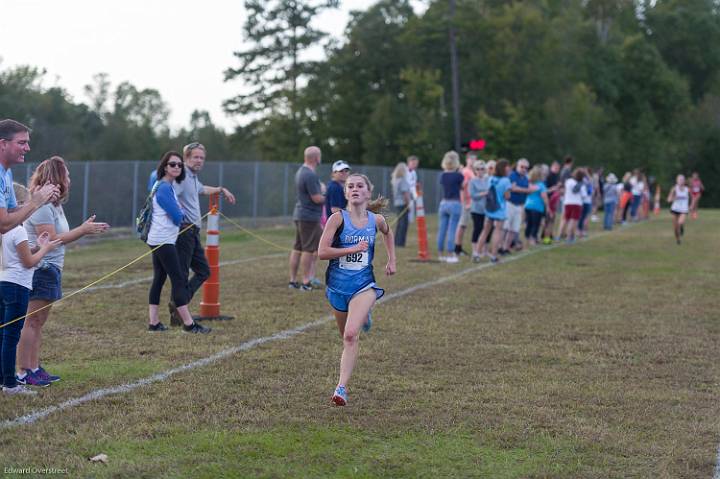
452,259
19,390
442,259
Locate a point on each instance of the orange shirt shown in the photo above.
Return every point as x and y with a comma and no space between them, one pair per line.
468,174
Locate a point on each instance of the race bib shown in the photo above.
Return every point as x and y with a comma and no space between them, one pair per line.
354,261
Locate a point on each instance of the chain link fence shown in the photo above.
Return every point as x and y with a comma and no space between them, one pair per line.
115,190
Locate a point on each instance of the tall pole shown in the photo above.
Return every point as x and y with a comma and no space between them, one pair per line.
455,77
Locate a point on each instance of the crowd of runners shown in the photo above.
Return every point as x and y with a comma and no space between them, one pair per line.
508,207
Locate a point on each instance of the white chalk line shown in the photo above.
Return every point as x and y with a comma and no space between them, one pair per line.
35,416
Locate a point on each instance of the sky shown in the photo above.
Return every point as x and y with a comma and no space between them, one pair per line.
179,47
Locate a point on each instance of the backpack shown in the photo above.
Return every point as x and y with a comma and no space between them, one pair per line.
578,186
491,200
144,218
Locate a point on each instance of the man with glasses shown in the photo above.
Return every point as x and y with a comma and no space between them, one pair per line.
516,204
189,248
14,144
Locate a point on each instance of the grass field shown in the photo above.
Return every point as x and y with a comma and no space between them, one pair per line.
596,360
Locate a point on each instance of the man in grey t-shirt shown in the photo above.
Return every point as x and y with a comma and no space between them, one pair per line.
307,213
189,247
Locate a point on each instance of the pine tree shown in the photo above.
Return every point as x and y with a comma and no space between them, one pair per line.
272,68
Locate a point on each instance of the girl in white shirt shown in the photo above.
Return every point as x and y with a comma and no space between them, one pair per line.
164,229
573,202
18,265
679,197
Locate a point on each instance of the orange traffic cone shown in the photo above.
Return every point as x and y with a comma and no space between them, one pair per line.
656,209
423,254
210,304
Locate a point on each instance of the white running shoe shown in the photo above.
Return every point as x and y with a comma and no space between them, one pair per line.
452,259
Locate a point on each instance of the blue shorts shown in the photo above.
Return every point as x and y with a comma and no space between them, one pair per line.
341,302
47,283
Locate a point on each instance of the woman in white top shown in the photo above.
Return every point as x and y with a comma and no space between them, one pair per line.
47,278
573,202
638,187
164,229
679,198
402,197
18,264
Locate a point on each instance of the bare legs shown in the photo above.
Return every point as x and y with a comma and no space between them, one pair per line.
28,351
482,240
349,324
307,261
694,202
497,237
678,223
183,311
571,229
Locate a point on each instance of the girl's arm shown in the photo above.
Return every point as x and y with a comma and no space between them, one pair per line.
671,195
384,228
29,259
325,248
544,197
87,228
522,189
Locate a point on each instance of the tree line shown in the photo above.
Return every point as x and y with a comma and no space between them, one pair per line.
617,83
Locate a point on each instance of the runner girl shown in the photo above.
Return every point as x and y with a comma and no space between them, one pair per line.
679,197
348,241
696,190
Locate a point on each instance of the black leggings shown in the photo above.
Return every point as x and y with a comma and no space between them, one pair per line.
534,218
626,209
478,222
167,263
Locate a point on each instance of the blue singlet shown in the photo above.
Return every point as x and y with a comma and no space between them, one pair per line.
352,273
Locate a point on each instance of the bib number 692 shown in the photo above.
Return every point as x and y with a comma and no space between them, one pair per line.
354,258
354,261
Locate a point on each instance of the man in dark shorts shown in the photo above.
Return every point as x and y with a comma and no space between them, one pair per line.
307,213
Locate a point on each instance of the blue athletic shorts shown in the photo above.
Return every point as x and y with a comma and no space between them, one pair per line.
340,302
47,283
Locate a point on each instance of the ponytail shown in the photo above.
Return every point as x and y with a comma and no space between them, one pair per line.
378,205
